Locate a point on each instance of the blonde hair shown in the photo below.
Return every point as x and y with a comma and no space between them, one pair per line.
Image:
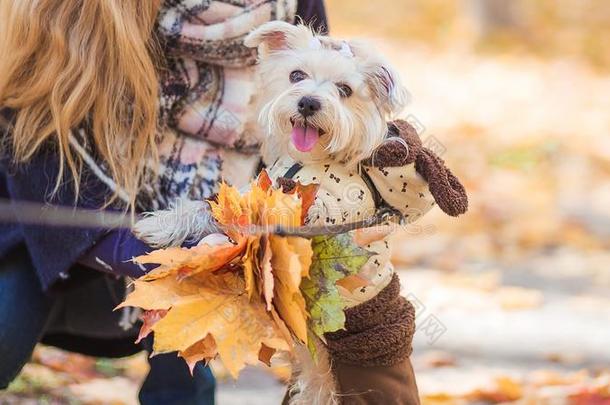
65,63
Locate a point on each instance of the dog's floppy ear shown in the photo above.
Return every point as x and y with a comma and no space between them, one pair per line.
278,36
383,80
387,88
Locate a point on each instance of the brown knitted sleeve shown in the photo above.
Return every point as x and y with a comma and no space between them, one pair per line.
403,147
446,189
377,332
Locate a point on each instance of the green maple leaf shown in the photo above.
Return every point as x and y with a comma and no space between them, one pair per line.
334,257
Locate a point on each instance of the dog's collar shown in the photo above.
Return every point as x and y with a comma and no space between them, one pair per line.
293,170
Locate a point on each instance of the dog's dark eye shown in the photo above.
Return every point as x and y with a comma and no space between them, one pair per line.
297,76
344,90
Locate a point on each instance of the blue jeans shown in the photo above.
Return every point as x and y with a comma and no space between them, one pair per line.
26,314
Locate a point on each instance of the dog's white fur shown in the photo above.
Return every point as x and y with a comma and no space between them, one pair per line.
185,220
313,381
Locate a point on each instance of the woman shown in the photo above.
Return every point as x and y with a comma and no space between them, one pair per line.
119,105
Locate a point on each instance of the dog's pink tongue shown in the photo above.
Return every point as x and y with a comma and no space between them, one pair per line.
304,138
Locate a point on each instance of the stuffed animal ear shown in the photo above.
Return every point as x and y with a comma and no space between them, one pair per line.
278,36
400,148
383,80
446,189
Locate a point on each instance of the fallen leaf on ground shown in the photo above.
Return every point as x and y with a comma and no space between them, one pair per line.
518,298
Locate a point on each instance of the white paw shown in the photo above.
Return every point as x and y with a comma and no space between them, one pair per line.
184,220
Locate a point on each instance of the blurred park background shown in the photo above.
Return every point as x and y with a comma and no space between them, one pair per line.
513,298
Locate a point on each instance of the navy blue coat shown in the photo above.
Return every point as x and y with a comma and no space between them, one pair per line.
53,250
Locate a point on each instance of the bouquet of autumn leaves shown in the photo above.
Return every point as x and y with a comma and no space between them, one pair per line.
245,294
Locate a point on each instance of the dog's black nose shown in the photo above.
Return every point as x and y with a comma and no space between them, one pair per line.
308,106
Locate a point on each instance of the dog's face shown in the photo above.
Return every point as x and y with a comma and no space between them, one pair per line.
320,98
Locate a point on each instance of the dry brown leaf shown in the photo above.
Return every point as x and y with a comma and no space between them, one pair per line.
149,318
307,194
353,282
265,354
366,236
264,181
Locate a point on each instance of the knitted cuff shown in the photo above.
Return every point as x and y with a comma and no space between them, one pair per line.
377,332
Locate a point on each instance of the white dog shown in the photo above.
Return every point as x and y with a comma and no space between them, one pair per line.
324,107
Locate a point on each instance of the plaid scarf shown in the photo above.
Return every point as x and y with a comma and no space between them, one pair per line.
210,129
209,85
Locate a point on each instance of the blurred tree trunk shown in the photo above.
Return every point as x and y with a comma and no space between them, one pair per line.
491,16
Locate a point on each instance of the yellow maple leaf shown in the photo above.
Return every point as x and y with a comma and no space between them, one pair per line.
222,309
158,294
228,208
287,273
302,247
280,209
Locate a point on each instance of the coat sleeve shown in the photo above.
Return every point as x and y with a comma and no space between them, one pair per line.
411,178
114,254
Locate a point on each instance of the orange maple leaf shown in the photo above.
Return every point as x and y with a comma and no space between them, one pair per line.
264,181
185,262
307,194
